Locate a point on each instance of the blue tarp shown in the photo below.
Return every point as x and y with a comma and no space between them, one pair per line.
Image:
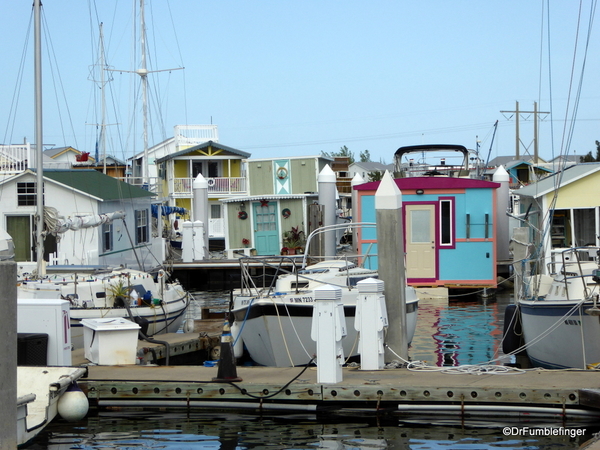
166,210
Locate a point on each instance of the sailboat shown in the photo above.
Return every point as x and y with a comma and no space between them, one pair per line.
150,300
557,264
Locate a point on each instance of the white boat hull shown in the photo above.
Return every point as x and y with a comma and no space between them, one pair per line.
558,330
557,341
91,297
278,332
166,318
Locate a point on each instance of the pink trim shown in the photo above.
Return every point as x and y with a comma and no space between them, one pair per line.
428,183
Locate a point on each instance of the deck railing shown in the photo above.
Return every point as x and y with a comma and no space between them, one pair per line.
182,187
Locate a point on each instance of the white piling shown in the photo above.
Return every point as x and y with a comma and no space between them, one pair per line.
327,193
8,354
200,208
328,330
370,321
502,201
391,265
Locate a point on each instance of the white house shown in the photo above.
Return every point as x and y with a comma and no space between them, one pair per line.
77,193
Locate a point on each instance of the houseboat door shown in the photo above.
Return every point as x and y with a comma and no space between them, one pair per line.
266,233
420,241
19,228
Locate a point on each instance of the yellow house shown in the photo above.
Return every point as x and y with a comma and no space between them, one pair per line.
564,208
223,168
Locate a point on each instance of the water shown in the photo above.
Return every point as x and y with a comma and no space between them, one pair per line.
448,334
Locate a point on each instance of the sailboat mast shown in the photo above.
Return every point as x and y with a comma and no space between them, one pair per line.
39,244
102,83
143,72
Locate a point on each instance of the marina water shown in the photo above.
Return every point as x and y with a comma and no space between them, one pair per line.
455,333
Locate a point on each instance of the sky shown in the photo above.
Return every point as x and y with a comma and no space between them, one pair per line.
292,78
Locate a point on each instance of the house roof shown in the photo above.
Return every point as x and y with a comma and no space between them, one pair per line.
559,179
97,184
371,166
203,146
54,152
517,163
508,160
432,183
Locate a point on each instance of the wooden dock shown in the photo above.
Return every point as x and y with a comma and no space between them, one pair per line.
563,395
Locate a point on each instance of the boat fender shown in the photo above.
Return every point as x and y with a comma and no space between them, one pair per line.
73,404
144,324
512,334
188,326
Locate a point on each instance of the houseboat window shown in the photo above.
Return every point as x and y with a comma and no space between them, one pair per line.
141,226
446,223
420,226
107,240
26,194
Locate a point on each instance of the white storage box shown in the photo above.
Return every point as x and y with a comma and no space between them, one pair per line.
110,341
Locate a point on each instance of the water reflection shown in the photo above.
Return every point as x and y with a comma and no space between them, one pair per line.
137,430
459,333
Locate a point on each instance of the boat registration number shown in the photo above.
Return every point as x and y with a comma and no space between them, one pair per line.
301,300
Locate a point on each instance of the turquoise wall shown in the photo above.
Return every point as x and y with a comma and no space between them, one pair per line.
468,260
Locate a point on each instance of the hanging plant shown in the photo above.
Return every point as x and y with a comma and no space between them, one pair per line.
242,215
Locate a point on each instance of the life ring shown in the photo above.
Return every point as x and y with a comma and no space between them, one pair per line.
282,173
242,215
211,182
286,213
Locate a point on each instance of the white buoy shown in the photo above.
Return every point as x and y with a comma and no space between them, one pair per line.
188,326
73,404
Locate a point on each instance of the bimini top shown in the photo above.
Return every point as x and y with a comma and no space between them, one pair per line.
431,148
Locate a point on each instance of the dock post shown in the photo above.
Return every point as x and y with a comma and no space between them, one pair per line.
200,210
328,330
370,320
391,265
8,354
502,201
327,193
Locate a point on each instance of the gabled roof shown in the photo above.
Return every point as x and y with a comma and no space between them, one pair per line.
526,163
559,179
508,160
204,146
372,166
54,152
97,184
90,182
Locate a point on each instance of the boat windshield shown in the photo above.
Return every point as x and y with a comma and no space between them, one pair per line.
308,271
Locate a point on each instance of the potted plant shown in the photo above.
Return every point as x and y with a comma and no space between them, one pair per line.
293,241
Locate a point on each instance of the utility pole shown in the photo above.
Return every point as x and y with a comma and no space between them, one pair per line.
536,114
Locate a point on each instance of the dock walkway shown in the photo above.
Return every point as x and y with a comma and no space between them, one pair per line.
562,394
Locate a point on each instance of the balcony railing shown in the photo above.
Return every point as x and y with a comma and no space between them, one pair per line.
182,187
